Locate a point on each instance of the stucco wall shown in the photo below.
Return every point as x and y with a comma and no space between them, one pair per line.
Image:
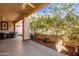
26,28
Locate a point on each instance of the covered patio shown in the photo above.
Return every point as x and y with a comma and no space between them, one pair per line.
10,45
23,44
11,13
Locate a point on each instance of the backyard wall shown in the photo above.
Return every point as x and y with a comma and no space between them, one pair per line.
54,38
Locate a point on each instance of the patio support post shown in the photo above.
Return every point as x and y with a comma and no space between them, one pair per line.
26,30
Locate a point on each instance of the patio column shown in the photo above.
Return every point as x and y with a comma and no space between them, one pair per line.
26,28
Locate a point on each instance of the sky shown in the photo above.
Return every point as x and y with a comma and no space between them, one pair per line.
77,8
47,8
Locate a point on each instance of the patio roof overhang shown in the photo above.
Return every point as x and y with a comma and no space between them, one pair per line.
15,11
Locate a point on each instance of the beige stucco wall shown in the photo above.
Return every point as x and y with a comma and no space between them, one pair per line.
10,28
26,28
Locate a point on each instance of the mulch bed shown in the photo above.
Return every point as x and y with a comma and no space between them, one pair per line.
70,52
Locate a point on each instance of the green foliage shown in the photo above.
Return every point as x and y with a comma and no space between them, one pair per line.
33,36
67,25
46,40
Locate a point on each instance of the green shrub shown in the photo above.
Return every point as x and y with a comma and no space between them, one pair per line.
46,40
33,36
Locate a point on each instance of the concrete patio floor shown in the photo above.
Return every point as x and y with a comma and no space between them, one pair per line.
15,47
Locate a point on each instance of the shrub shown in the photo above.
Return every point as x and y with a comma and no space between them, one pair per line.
46,40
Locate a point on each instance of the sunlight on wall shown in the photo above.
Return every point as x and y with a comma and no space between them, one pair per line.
19,28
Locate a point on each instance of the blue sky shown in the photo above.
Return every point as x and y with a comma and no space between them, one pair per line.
77,8
47,7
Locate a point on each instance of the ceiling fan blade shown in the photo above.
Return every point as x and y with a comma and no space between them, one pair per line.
31,5
24,5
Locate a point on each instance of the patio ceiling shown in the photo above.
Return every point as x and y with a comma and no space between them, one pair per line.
14,11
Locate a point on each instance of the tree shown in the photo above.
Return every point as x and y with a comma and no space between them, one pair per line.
62,19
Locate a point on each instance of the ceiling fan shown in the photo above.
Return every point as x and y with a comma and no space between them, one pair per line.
29,4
